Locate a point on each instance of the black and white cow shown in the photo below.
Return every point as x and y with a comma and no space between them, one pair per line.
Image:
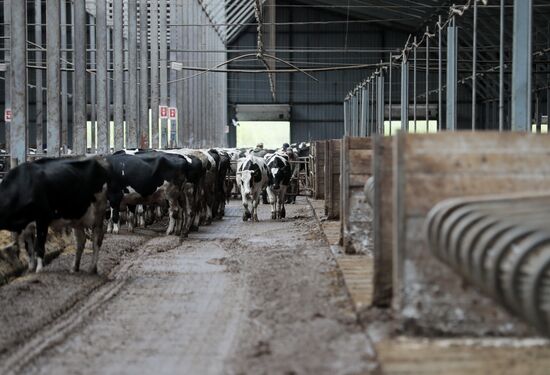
134,181
59,192
280,173
252,179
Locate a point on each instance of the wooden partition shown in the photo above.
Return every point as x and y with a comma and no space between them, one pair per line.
382,220
332,179
356,168
318,154
429,169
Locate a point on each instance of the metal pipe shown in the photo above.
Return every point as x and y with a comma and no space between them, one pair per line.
118,84
474,69
18,72
79,99
346,122
132,109
380,103
501,71
53,39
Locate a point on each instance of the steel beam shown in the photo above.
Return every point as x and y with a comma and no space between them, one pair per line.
364,110
79,98
53,40
427,80
346,117
414,84
144,77
521,65
118,84
452,80
132,110
390,99
18,72
501,71
405,95
39,98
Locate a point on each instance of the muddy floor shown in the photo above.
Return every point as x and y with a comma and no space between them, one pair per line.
235,298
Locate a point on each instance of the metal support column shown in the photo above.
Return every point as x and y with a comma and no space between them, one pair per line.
427,80
452,40
414,84
405,94
93,88
367,106
39,99
79,97
53,39
18,71
380,103
373,105
439,78
521,66
155,90
144,77
474,69
7,60
118,84
64,80
103,146
501,71
132,110
346,114
364,110
164,69
390,99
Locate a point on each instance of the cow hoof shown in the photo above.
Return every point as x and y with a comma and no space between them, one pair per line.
273,215
283,213
194,228
245,217
93,270
39,265
75,270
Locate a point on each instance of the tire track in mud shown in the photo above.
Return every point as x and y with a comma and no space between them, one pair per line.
61,328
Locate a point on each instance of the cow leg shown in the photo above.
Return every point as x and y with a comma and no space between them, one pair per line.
140,212
273,201
110,222
80,239
282,211
41,237
255,204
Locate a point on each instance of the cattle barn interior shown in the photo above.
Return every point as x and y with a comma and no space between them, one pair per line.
274,187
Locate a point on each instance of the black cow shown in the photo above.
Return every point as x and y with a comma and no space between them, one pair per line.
56,192
280,173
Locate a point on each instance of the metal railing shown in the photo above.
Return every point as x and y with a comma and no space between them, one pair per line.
500,244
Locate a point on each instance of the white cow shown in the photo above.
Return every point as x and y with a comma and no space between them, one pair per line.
252,179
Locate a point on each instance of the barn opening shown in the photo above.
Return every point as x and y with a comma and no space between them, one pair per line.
271,133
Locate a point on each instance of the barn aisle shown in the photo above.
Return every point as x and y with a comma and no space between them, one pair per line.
234,298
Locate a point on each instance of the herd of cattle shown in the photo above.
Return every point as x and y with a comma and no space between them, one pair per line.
137,187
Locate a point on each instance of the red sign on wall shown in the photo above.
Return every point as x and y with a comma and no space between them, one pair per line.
163,110
7,115
173,115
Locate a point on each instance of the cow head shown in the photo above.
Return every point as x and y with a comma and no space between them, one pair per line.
250,174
